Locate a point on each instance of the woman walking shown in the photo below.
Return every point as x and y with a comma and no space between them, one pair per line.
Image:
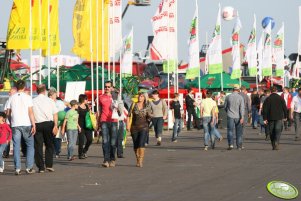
159,114
137,124
86,133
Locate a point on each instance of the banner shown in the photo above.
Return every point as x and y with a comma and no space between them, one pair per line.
251,53
193,70
36,62
115,12
215,59
279,52
127,59
267,53
165,45
81,29
54,33
236,62
18,27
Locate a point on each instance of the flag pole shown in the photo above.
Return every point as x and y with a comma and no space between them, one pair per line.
102,49
49,43
177,65
168,54
113,40
197,35
91,56
97,51
109,39
40,50
30,41
222,77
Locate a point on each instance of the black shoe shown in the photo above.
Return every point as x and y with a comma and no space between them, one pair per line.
82,157
120,156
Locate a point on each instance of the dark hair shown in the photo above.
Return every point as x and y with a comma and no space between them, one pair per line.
20,84
109,81
299,89
208,94
222,92
267,91
155,92
41,88
176,94
2,114
82,98
190,90
273,89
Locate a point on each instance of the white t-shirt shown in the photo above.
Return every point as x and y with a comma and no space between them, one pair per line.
43,108
296,104
19,104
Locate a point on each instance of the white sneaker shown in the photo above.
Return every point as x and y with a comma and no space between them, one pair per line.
2,168
17,172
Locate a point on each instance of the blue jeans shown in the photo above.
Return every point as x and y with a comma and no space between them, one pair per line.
18,133
109,137
158,126
177,126
254,116
208,131
72,138
139,138
2,148
231,124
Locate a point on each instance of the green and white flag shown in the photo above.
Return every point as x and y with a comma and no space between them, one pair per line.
279,51
236,62
193,70
127,58
251,52
214,52
267,52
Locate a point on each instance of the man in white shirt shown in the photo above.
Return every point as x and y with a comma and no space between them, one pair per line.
296,113
46,124
19,108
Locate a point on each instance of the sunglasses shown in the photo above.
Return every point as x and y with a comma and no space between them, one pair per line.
107,87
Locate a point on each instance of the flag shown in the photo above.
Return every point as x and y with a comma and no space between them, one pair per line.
18,34
164,45
115,26
127,59
193,70
267,52
236,62
251,53
81,29
297,65
279,52
260,53
215,59
54,33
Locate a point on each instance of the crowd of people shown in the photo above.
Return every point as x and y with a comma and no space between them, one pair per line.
34,123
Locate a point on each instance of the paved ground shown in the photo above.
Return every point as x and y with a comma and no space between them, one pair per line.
176,171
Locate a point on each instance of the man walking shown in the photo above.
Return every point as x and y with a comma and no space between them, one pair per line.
234,106
46,128
287,96
108,125
247,104
296,113
19,108
190,107
274,112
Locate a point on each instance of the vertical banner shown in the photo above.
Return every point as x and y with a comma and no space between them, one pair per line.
127,59
36,62
193,70
172,37
215,59
115,12
251,52
267,52
18,26
236,62
279,51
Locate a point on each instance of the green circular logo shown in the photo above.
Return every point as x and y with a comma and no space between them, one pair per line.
282,190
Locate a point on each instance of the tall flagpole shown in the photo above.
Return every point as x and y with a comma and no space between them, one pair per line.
49,43
91,56
177,65
109,40
97,51
30,41
197,35
102,48
113,41
222,77
168,57
40,50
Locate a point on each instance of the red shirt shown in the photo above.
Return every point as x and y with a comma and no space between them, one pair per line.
5,133
288,100
105,102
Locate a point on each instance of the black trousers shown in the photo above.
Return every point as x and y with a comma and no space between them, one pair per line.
275,129
45,136
139,138
191,112
120,139
84,136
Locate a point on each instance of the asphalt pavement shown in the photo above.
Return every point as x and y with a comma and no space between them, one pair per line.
180,171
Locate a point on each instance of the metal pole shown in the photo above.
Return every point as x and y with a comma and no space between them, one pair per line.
113,41
30,40
97,67
91,56
102,49
49,43
40,50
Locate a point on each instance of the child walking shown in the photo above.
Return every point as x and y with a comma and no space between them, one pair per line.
5,137
71,119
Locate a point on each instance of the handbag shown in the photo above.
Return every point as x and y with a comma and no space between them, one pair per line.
88,121
115,114
93,120
131,116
